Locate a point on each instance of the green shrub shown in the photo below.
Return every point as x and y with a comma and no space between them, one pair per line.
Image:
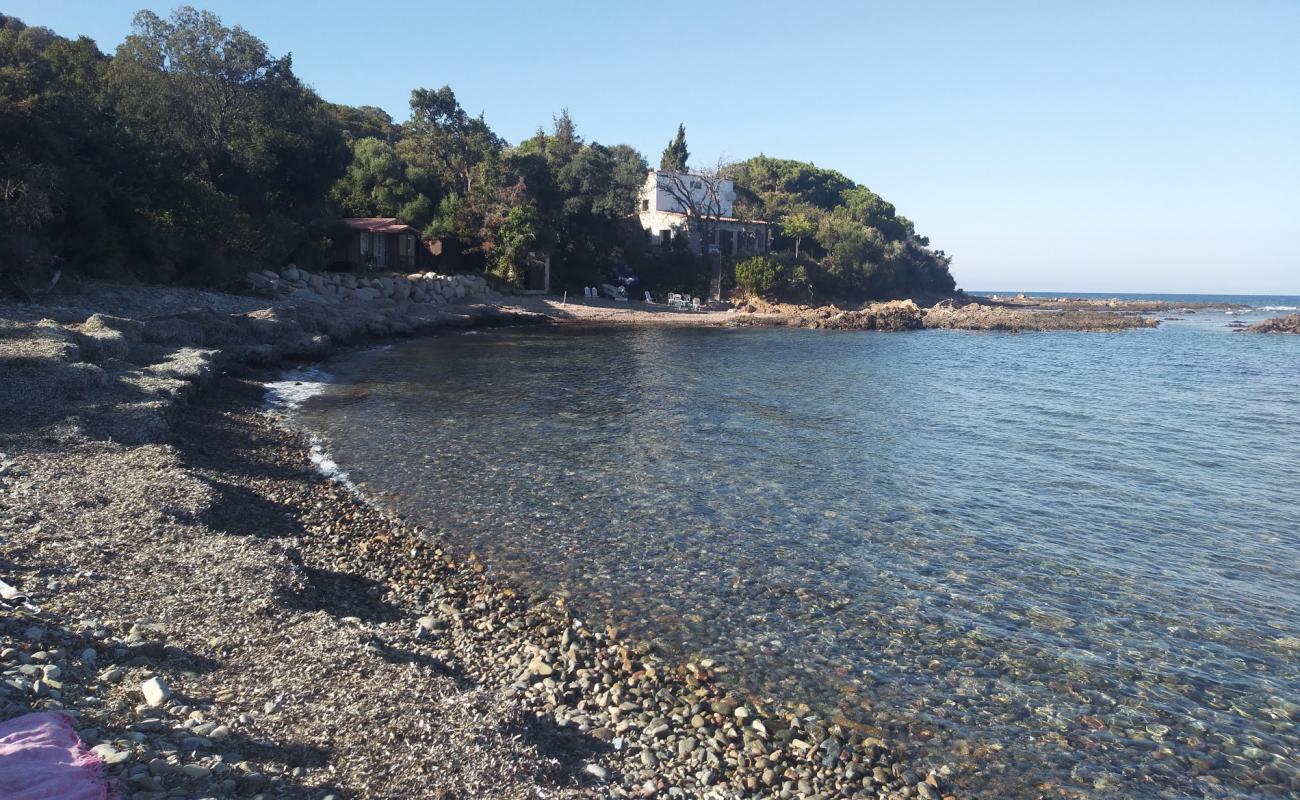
760,275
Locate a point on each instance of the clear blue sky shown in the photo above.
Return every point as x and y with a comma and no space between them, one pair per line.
1107,146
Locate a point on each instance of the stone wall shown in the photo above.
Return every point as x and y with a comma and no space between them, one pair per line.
345,288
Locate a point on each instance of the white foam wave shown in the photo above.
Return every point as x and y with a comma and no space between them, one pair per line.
326,465
296,386
1279,308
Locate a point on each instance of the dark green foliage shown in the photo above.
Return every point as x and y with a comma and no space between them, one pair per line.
850,242
380,183
194,153
773,276
363,122
676,154
776,179
583,192
59,152
759,275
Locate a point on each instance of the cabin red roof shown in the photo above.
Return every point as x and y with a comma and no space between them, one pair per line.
378,225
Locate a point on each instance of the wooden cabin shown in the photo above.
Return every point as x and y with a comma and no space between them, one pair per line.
378,243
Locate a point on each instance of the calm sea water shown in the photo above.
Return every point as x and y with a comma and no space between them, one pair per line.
1065,564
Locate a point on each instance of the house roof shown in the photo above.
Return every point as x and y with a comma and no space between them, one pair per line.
378,225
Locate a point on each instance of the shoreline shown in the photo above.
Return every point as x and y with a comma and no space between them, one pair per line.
305,643
171,528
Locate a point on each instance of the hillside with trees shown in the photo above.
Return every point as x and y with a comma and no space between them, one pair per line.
834,237
193,154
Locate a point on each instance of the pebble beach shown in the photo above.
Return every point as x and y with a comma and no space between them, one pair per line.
222,620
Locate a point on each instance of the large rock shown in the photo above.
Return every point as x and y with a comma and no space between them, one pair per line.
155,691
1287,324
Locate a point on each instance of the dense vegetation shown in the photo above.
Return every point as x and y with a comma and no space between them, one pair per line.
193,154
834,237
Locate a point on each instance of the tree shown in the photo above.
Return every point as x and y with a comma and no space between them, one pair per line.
584,193
797,226
443,137
699,196
198,84
244,154
675,154
379,183
865,248
362,122
517,240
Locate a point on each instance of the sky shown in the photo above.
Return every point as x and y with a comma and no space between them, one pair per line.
1045,145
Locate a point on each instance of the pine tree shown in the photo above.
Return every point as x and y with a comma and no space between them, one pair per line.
675,154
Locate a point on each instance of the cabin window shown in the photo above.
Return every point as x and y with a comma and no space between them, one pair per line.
365,243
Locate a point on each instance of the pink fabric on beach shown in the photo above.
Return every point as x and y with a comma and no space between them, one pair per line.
43,758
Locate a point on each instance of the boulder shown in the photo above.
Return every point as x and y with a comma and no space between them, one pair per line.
155,691
1287,324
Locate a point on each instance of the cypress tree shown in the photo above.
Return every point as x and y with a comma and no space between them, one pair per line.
675,154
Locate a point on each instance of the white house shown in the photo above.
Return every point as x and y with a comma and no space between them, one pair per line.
666,201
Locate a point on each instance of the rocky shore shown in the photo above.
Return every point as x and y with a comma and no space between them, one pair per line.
1288,324
955,314
223,621
997,317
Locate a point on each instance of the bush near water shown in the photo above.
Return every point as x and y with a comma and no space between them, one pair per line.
130,165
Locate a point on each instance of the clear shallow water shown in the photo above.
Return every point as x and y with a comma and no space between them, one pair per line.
1063,563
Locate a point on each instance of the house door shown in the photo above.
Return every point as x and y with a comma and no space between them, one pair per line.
381,251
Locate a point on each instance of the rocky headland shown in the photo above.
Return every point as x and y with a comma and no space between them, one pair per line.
222,620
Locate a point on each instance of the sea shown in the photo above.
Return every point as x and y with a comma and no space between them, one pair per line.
1063,564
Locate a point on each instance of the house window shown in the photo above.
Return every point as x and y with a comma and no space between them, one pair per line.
697,185
665,237
645,205
365,243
